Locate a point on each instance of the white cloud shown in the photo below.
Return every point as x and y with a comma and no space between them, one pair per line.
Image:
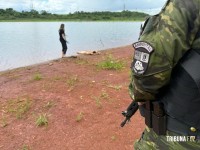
66,6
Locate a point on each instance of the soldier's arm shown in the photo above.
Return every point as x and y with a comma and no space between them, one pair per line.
170,34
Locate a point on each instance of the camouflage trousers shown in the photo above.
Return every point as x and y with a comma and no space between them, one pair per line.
151,141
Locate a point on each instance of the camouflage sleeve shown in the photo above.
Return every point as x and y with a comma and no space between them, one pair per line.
170,34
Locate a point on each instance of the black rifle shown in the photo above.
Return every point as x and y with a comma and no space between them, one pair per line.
132,108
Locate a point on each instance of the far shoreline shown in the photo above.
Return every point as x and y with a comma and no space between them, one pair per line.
42,20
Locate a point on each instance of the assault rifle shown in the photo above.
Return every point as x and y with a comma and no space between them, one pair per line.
129,112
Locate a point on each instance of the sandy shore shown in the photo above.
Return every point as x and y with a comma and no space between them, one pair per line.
81,102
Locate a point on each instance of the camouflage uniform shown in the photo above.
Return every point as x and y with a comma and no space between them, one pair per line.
171,33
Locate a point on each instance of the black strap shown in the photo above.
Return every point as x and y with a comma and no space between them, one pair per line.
191,64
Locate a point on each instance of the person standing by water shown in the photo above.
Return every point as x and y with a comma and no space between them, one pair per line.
63,39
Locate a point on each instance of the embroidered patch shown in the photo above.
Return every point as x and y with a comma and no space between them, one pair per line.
141,57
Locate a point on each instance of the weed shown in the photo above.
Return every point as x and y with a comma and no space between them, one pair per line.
47,86
49,104
56,78
72,81
37,77
14,76
81,61
110,63
116,87
3,121
104,94
42,120
19,106
79,117
98,102
25,147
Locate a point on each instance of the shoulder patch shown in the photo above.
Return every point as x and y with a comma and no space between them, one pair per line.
141,57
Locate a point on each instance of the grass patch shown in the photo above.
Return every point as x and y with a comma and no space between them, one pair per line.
98,102
47,86
13,76
71,82
37,77
25,147
116,87
82,61
79,117
49,104
19,106
110,63
3,121
104,94
42,120
57,78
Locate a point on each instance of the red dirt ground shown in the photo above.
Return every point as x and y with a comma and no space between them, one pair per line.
67,88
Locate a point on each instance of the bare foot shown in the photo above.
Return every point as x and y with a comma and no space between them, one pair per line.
63,55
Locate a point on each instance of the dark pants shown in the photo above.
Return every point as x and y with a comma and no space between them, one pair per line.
64,46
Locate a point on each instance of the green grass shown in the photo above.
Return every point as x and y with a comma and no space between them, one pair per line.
47,86
42,120
25,147
79,117
3,121
19,106
37,77
82,61
72,81
104,94
110,63
98,101
57,78
49,104
116,87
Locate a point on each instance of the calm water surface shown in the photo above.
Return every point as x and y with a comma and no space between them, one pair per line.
27,43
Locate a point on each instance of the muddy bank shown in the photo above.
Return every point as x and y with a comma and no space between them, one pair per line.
81,102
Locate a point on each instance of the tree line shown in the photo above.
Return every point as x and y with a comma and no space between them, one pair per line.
11,14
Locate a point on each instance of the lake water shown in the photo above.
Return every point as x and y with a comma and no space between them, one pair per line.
27,43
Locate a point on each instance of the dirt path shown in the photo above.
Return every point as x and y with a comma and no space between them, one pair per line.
82,103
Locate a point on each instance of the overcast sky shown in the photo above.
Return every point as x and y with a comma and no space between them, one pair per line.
66,6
